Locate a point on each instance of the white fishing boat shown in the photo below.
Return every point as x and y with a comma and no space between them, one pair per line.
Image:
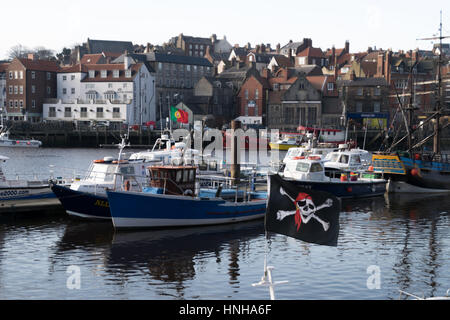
310,173
5,141
348,159
17,194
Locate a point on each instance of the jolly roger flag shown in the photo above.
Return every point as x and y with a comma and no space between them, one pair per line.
305,214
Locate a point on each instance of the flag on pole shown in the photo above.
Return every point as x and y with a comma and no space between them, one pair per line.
179,115
305,214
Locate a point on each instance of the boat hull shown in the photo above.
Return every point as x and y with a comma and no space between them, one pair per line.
280,146
82,204
421,176
24,198
141,210
346,190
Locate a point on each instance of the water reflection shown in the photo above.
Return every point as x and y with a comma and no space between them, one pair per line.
171,256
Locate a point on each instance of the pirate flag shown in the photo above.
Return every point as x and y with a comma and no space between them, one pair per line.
304,214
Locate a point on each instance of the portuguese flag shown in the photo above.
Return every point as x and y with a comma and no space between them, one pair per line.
179,115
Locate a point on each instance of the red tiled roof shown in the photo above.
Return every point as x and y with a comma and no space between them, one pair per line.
311,52
109,74
40,65
73,69
91,58
3,67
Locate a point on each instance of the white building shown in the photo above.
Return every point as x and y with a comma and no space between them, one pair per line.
121,93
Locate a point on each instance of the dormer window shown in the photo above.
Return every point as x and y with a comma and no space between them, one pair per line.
103,73
128,73
116,73
91,73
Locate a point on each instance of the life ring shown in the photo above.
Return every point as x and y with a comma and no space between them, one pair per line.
314,158
127,185
99,161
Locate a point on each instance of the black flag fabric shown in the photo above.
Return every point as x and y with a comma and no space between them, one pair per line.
305,214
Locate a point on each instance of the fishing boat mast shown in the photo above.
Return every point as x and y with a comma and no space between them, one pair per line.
438,103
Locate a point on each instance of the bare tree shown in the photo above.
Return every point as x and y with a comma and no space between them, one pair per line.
18,51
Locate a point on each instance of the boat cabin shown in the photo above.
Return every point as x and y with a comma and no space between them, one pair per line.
348,160
174,180
309,168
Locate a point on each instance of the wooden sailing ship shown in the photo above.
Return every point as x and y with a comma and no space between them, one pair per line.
415,169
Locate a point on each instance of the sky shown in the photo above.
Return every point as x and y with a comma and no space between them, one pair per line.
395,24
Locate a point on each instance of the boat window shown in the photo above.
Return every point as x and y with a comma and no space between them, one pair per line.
334,157
316,167
179,176
109,175
356,159
191,175
127,170
344,158
302,167
185,176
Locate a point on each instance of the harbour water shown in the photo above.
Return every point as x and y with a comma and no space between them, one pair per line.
385,244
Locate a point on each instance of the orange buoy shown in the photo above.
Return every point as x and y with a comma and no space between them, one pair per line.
370,168
414,172
343,177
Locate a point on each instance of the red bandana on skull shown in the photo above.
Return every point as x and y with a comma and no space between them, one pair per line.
298,217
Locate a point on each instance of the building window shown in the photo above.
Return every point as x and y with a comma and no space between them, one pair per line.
330,86
64,78
116,113
376,107
110,96
91,73
83,112
103,73
99,112
256,94
10,89
246,93
52,112
359,107
64,91
21,74
21,89
49,76
377,91
16,75
21,104
128,73
72,77
73,90
359,91
33,75
116,73
67,112
33,104
33,89
10,75
16,89
49,90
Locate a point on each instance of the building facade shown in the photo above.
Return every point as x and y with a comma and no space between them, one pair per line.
29,83
118,93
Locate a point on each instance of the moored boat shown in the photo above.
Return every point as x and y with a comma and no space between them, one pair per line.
17,194
310,173
5,141
179,203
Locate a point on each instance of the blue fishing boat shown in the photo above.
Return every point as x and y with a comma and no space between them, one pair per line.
179,204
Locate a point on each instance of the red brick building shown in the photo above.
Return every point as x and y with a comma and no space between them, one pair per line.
28,83
252,100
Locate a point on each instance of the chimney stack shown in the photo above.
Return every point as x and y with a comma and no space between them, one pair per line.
347,46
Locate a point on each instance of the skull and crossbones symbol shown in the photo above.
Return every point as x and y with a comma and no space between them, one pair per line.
305,209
